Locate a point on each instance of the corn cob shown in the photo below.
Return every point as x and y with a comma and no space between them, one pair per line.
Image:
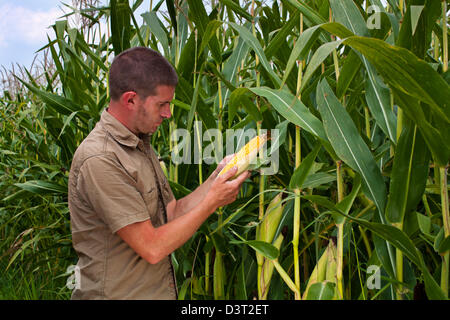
246,155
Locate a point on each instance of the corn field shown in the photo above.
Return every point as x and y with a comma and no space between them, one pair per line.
359,93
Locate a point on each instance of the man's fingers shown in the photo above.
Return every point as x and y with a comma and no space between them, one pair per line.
222,164
224,161
242,177
229,174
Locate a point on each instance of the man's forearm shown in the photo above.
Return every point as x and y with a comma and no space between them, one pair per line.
169,237
187,203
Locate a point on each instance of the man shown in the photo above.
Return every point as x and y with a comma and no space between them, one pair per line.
125,220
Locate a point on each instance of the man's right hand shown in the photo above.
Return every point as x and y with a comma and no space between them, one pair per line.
224,191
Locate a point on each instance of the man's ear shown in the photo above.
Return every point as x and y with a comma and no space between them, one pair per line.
128,99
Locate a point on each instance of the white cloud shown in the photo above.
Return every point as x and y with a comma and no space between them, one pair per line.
19,24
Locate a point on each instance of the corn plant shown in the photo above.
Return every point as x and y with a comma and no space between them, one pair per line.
359,93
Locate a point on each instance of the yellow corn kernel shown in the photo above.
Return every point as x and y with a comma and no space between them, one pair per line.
246,155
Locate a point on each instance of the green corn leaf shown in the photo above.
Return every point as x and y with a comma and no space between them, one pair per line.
231,68
377,96
319,56
120,25
346,203
193,106
347,13
183,290
42,187
317,179
240,97
304,44
209,33
81,43
185,92
309,12
266,249
394,236
292,109
281,35
280,138
409,174
173,15
402,242
424,223
444,246
415,15
403,71
434,136
198,14
349,145
152,20
300,50
237,9
68,120
378,100
321,291
56,102
348,72
303,170
256,46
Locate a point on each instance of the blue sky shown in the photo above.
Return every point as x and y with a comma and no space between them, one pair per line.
23,28
24,25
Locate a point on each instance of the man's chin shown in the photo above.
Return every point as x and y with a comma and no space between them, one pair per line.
152,131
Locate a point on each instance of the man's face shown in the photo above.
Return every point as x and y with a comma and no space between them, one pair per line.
154,109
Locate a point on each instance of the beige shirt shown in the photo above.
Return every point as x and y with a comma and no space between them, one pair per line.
113,182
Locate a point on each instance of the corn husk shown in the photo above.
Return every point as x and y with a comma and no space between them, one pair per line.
267,269
325,269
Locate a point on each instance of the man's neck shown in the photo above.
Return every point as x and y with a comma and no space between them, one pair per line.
121,116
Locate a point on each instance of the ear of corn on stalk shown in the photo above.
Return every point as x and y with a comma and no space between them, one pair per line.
271,219
219,277
245,156
267,269
325,269
266,232
163,167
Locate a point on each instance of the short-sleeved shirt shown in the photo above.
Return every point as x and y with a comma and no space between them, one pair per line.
116,180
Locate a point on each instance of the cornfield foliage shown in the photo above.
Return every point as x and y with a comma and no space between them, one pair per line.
359,91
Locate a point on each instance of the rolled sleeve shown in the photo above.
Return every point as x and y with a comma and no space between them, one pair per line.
111,192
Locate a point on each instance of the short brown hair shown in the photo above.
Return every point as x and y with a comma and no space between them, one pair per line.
141,70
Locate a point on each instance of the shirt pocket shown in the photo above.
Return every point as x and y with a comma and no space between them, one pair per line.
151,202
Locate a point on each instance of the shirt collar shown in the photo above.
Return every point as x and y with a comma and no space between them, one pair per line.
118,131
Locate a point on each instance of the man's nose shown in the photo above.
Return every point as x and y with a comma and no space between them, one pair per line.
166,112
